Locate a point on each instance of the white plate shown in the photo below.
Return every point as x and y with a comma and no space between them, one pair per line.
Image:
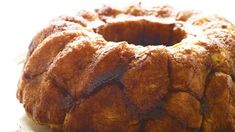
27,125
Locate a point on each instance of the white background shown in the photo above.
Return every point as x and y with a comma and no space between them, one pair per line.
20,20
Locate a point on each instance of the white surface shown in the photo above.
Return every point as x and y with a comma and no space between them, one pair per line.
21,19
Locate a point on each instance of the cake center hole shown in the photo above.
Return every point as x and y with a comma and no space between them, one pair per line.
143,32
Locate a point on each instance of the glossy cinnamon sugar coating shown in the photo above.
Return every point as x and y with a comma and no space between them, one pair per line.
132,69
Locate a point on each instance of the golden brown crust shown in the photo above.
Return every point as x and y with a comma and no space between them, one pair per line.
219,101
53,27
152,67
181,105
74,79
164,124
189,68
103,112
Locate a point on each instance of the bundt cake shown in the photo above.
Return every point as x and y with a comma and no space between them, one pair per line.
132,69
